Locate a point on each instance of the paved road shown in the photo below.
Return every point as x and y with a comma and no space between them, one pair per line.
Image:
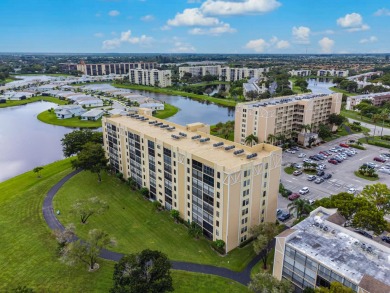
242,277
377,129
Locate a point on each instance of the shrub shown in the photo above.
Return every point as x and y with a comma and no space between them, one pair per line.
144,192
356,146
380,144
157,206
219,243
217,248
119,175
246,242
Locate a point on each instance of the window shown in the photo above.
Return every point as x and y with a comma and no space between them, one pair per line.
217,214
217,194
218,175
266,165
265,184
217,223
217,204
218,185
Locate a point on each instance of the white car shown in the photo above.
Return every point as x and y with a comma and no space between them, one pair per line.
352,190
307,161
333,150
304,190
301,155
384,170
290,151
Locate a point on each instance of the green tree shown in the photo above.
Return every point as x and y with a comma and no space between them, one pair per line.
300,206
144,192
384,115
335,287
195,230
252,95
91,158
263,234
379,195
266,283
271,138
370,219
65,236
131,183
85,208
251,140
148,271
175,214
324,131
336,119
73,142
87,251
38,170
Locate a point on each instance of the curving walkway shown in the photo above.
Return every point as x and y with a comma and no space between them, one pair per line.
242,277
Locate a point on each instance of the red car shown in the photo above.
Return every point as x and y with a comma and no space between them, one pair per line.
294,196
344,145
324,153
379,159
333,161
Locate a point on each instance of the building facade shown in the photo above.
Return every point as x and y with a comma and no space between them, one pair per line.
377,99
223,73
319,250
300,73
153,77
284,115
333,72
107,68
224,187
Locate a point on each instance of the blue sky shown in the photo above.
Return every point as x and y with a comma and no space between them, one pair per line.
195,26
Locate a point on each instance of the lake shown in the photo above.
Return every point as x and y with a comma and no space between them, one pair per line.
26,142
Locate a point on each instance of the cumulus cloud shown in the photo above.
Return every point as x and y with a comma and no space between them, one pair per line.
301,34
181,47
214,31
126,37
219,7
326,45
382,12
352,22
148,17
113,13
371,39
261,45
193,17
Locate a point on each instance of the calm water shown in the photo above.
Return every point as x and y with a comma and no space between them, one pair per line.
26,142
193,111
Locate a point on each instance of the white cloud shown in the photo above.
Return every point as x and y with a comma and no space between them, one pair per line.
301,34
282,44
220,7
326,45
99,35
148,17
113,13
180,47
381,12
215,31
126,38
371,39
352,22
193,17
261,45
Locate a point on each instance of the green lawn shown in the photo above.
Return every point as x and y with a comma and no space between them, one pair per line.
169,110
356,116
51,118
184,282
168,91
32,100
215,82
376,140
258,268
337,90
38,74
136,226
357,174
289,170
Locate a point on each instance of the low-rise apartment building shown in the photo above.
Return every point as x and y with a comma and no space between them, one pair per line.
377,99
153,77
300,73
319,250
333,72
224,187
283,115
223,73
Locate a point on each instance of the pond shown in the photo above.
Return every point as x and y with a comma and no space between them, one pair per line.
320,85
26,142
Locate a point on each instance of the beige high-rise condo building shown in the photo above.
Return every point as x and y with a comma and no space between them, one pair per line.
153,77
224,187
319,250
283,115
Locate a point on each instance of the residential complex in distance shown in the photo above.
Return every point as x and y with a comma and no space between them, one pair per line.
107,68
223,73
377,99
319,250
253,86
224,187
153,77
300,73
283,115
333,72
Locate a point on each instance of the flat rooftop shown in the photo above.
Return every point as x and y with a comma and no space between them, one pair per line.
347,252
373,95
205,149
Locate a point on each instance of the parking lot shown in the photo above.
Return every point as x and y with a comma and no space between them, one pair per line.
343,177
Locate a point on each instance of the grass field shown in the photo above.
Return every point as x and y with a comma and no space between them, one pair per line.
222,102
28,251
32,100
289,170
169,110
75,122
135,225
356,116
258,268
357,174
337,90
38,74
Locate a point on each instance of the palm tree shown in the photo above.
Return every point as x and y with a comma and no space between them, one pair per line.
300,206
251,140
384,115
271,138
375,119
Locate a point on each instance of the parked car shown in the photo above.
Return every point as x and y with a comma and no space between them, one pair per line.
352,190
287,192
379,159
327,176
384,170
307,161
321,156
314,158
320,173
297,166
290,151
279,212
386,239
294,196
344,145
301,155
295,148
304,190
319,180
322,166
333,161
311,178
284,216
370,165
387,155
364,233
297,172
338,159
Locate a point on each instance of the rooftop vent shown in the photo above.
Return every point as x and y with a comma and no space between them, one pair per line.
145,119
196,137
218,144
152,122
204,139
230,147
251,156
158,124
182,134
164,126
238,152
175,136
171,128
